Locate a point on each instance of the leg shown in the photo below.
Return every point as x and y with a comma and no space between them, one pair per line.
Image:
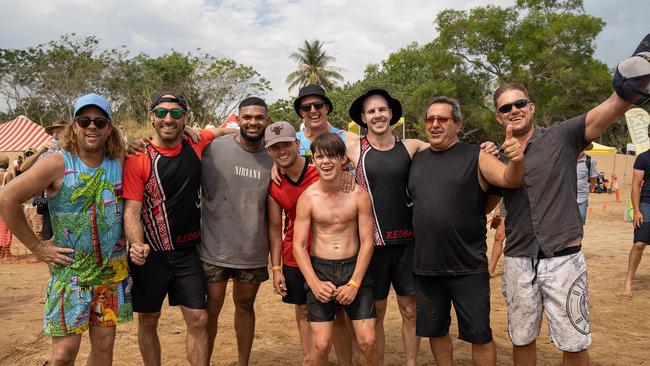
344,339
321,333
365,335
216,295
196,343
65,349
484,354
244,297
411,341
443,350
148,341
525,355
632,264
380,336
303,331
497,247
575,358
102,340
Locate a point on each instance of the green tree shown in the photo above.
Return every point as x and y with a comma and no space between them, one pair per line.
314,67
282,110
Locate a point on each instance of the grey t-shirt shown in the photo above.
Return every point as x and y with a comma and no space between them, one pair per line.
584,173
543,213
234,187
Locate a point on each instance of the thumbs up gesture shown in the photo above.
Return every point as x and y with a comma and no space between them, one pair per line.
512,148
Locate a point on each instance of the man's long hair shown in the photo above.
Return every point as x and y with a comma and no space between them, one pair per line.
114,146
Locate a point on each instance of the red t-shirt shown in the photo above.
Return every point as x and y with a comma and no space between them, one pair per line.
137,167
286,195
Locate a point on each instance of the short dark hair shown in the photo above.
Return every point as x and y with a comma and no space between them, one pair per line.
509,86
328,144
253,101
455,107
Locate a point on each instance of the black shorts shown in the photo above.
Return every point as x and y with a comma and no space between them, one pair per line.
295,282
177,273
642,234
392,264
339,273
470,295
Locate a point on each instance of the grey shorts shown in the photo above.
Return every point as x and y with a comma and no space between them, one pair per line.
560,288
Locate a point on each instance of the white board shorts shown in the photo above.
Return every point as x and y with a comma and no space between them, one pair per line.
560,288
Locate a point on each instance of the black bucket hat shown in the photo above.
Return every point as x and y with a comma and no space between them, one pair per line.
357,106
312,89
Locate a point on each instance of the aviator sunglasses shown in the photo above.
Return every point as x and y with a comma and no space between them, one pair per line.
307,107
84,122
176,113
521,103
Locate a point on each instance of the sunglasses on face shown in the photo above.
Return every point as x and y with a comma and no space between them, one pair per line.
316,105
176,113
521,103
84,122
440,119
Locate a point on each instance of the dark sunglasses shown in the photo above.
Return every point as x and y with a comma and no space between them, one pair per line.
176,113
431,119
84,122
521,103
307,107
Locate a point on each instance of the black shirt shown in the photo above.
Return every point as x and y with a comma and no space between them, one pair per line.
642,163
448,211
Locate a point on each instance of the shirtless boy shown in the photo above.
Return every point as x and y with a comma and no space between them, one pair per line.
341,248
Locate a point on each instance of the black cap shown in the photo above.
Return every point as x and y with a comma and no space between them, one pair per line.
312,89
357,106
177,98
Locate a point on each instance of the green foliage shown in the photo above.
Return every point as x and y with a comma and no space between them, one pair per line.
282,110
313,67
42,82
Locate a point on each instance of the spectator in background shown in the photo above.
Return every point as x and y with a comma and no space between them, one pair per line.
5,233
587,173
641,206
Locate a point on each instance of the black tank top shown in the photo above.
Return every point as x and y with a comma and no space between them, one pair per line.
171,212
384,174
448,211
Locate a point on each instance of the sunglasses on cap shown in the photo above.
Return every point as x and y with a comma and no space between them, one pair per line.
441,119
521,103
307,107
84,122
176,113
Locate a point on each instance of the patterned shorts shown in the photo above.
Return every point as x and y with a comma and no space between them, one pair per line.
560,288
71,308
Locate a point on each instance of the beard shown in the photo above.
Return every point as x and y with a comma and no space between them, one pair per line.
251,138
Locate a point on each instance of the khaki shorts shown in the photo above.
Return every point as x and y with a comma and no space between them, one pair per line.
560,289
216,273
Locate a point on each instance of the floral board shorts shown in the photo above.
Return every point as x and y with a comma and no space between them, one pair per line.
71,308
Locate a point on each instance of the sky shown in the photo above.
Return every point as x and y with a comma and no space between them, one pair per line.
263,33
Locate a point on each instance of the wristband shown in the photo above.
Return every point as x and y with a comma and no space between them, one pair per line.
354,284
276,268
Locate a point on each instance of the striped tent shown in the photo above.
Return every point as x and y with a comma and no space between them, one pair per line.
21,134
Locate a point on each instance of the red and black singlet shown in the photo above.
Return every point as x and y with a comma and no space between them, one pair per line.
385,174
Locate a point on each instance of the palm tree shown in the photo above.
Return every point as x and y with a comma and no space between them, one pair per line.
313,67
92,192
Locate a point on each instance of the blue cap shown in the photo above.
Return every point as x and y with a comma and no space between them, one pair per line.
92,99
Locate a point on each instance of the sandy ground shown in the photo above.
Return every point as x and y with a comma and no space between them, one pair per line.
621,329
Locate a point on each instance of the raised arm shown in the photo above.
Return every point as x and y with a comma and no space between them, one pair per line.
604,115
30,161
499,174
46,175
274,212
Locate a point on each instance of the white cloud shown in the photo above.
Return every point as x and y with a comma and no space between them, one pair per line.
263,33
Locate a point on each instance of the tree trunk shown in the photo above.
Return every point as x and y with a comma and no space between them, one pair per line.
97,248
64,327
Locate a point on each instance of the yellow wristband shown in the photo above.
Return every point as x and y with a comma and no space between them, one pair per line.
276,268
354,284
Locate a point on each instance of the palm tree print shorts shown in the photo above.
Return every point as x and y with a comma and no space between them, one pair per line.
71,308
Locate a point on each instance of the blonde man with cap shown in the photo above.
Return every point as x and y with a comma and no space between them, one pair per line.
89,286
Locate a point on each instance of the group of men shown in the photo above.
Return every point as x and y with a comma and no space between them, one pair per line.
202,211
